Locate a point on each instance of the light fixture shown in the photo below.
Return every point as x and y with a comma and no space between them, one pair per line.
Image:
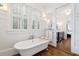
44,15
68,11
1,5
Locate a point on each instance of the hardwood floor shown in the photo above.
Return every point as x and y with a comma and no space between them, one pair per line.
52,51
65,45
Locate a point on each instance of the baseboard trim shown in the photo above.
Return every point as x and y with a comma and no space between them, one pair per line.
8,52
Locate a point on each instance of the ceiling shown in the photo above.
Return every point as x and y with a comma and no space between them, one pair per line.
49,7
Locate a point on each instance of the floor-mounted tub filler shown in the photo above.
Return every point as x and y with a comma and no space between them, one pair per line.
31,47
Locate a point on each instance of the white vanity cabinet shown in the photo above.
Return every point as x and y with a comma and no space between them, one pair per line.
51,37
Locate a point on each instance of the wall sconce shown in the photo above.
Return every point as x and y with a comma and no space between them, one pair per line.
3,6
45,18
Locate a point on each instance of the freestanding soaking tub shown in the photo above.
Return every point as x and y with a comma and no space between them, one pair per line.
31,47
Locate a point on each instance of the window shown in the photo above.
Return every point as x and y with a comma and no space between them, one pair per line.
19,23
19,16
25,24
15,22
35,24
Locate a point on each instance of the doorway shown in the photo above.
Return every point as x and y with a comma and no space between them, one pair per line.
63,27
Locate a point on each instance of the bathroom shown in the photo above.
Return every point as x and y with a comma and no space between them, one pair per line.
36,22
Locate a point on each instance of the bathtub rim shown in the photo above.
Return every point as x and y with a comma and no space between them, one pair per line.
15,46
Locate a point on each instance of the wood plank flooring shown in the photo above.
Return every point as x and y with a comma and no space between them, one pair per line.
65,45
52,51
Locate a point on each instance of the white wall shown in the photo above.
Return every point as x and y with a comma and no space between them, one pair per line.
8,36
75,34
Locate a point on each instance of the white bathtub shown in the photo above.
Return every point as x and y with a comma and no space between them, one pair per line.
31,47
